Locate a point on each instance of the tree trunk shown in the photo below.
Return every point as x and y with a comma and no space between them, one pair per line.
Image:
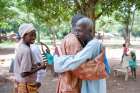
38,36
53,39
87,8
0,37
91,15
94,28
127,36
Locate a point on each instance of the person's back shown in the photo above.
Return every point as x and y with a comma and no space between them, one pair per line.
71,64
84,28
67,81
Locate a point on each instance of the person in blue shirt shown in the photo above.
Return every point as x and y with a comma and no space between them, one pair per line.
66,63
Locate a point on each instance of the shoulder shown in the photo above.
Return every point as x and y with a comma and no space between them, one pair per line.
71,39
22,48
70,36
95,42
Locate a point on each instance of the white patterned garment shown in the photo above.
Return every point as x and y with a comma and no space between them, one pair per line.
41,74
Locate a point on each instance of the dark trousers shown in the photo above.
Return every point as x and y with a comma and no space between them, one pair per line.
133,71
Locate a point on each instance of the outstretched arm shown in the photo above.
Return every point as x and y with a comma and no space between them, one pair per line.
71,62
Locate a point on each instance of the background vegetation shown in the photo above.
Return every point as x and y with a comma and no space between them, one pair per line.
52,17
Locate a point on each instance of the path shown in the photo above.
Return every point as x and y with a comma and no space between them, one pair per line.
114,84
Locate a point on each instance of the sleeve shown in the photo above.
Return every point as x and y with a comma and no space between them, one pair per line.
26,63
71,62
36,54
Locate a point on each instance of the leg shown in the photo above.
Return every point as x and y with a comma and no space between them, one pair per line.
134,73
122,58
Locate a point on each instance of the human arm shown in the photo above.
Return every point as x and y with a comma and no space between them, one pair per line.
71,62
27,67
42,66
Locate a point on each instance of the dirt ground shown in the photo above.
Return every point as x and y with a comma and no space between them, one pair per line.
119,85
114,84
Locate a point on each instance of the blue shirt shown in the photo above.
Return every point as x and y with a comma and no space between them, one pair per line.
71,62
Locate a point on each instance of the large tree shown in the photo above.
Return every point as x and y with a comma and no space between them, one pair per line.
96,8
125,14
55,11
6,11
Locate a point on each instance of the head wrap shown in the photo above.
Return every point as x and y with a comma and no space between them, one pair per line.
25,28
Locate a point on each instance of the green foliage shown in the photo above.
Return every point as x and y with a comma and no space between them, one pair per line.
51,12
136,33
50,16
5,25
63,29
95,8
8,43
125,11
6,12
136,30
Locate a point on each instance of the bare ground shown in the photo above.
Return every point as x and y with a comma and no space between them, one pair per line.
114,84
